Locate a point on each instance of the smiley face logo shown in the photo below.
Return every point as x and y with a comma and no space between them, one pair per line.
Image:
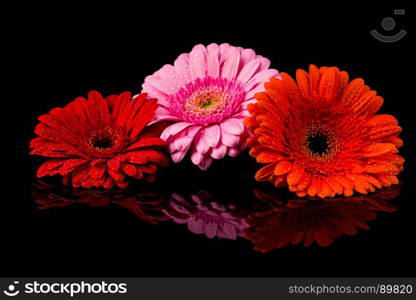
12,290
389,24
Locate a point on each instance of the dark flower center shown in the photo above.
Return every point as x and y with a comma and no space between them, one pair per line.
104,142
318,143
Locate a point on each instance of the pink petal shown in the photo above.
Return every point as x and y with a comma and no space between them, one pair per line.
153,92
201,160
196,157
178,156
248,71
197,62
264,62
233,126
182,68
219,152
247,55
211,135
231,64
229,140
174,129
200,144
166,81
260,78
205,163
213,63
162,114
233,152
182,141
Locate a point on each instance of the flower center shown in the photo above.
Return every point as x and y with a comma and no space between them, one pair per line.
209,103
207,100
320,142
103,142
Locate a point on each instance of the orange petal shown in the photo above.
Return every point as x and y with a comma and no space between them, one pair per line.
295,176
268,157
315,187
368,103
352,91
264,173
302,79
360,184
327,85
396,141
336,187
343,79
291,88
282,167
326,190
279,181
393,179
346,183
303,182
314,78
380,167
379,149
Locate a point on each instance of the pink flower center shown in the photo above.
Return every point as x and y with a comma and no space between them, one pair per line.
206,101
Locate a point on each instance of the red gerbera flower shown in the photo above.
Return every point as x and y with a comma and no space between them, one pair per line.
98,142
321,135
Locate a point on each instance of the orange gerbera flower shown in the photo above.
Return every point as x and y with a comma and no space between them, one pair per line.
321,135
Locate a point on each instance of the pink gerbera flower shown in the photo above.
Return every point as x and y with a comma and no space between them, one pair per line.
206,93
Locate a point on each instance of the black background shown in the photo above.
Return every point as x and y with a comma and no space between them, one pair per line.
58,53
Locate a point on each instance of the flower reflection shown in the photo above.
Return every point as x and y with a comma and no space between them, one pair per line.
314,220
270,222
145,205
203,216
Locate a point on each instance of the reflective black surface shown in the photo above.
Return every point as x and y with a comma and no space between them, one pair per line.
271,220
48,230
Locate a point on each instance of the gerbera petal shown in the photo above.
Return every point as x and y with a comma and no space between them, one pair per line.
197,62
201,144
213,62
264,173
314,187
196,157
233,126
174,129
230,66
50,167
205,163
377,149
248,71
181,65
178,155
97,171
282,167
211,135
229,140
219,151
